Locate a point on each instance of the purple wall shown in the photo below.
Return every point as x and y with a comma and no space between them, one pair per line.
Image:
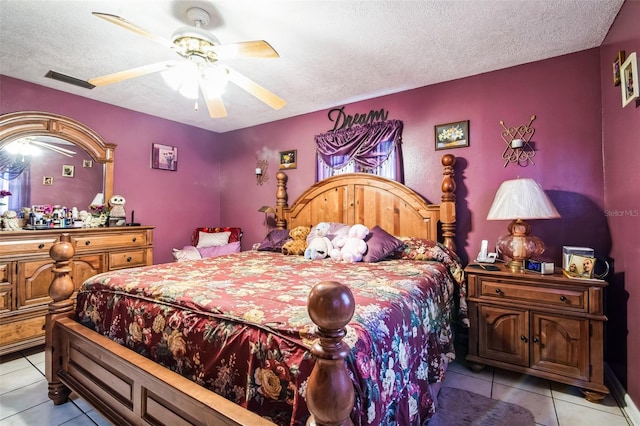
621,133
174,202
78,190
568,162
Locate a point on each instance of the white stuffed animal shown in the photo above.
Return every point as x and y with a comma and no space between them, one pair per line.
351,248
116,204
320,245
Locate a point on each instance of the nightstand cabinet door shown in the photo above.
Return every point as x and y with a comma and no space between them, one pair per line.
560,345
548,326
504,334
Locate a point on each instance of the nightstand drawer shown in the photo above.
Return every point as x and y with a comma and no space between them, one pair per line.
563,297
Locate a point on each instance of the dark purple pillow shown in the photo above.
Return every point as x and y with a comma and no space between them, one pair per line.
380,245
274,240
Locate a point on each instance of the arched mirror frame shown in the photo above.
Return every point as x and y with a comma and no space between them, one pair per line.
18,125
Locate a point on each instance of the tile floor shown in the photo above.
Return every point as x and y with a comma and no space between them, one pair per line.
24,401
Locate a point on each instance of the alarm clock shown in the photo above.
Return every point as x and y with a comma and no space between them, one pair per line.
544,268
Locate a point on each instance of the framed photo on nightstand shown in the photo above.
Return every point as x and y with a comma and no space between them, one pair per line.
581,266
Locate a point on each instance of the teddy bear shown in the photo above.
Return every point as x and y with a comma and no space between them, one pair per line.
116,204
298,243
352,247
320,245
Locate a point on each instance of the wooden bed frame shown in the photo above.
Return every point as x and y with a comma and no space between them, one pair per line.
127,388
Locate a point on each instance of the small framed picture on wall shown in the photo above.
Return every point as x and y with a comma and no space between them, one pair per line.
452,135
617,63
68,171
629,80
164,157
288,159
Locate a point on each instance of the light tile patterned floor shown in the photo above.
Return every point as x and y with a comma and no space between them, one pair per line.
24,401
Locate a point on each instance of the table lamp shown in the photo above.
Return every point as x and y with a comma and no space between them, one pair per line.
517,200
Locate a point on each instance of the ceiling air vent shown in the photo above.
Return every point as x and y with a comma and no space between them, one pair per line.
68,79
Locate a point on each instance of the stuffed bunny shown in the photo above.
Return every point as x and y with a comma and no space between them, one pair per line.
351,248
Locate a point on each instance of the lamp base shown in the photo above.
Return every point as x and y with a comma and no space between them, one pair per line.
515,265
519,245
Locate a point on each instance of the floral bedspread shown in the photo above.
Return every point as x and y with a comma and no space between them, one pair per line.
238,325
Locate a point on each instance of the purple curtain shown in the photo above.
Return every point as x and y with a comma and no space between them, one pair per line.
367,146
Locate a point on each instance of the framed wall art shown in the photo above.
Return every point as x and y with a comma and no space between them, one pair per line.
629,80
617,63
288,159
47,180
68,171
87,163
164,157
452,135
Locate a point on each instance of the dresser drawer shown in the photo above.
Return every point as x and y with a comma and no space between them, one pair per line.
91,242
561,297
30,246
127,259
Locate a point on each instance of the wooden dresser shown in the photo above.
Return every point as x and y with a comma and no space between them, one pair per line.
25,272
548,326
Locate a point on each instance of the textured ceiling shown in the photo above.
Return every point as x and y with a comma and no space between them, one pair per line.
331,52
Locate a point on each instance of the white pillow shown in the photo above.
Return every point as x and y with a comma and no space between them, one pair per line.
208,239
187,253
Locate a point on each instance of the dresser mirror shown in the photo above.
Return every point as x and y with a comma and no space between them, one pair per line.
73,163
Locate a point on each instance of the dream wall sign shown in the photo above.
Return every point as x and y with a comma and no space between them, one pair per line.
342,120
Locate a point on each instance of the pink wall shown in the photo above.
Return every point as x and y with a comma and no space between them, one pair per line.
174,202
568,162
621,133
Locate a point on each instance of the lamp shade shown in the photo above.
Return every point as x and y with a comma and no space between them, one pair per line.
516,200
521,199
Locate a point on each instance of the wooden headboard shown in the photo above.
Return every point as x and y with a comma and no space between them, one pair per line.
372,200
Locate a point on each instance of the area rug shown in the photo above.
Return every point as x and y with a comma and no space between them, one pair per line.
457,407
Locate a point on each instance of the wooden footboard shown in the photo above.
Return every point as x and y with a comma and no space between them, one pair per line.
127,388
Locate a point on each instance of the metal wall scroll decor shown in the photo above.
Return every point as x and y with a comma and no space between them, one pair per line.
518,149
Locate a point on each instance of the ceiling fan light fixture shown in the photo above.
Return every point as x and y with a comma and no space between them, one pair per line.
184,78
173,76
189,88
22,147
215,78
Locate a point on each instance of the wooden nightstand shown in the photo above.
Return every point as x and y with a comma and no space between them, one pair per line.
548,326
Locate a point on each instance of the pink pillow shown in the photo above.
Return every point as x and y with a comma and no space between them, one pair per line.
214,251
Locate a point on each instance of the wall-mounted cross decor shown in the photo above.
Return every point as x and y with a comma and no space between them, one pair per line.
518,149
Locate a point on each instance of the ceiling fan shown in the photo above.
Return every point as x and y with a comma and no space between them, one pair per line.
201,70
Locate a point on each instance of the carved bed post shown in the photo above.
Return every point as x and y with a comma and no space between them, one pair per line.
60,291
448,205
281,200
330,392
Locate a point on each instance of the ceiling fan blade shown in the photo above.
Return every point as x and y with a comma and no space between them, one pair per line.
114,19
214,103
245,49
131,73
255,89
